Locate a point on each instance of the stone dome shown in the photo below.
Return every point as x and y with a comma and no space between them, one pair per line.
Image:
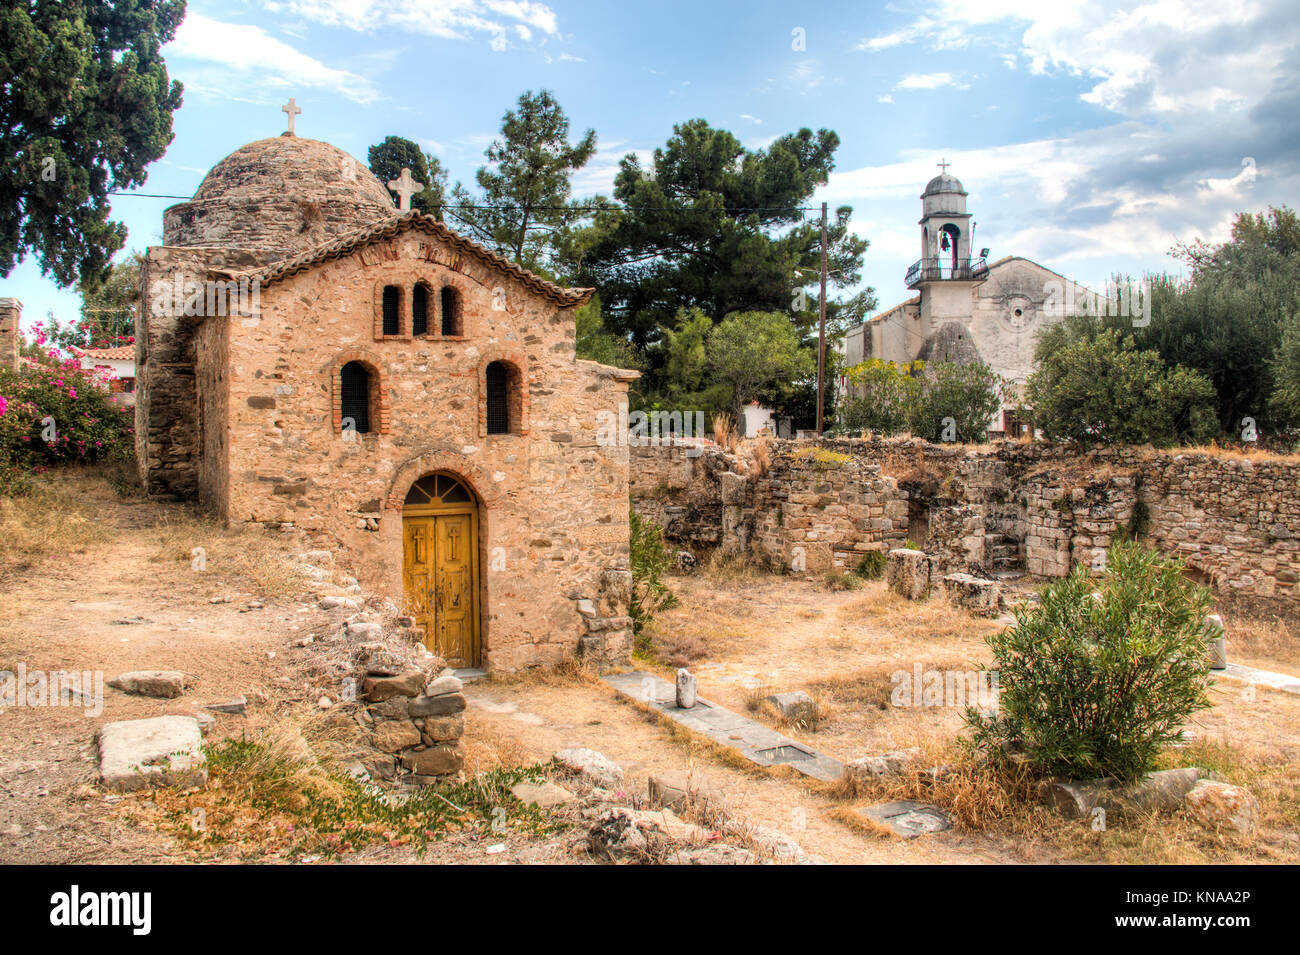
943,183
284,194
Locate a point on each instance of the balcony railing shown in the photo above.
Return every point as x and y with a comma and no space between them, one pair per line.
936,270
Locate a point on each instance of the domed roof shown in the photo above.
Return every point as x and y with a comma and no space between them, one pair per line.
279,196
307,169
943,183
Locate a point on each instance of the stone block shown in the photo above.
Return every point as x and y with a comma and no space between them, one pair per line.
162,751
440,729
380,688
447,704
441,760
162,684
907,572
395,735
975,595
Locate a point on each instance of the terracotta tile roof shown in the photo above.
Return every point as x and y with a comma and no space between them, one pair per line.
121,353
389,227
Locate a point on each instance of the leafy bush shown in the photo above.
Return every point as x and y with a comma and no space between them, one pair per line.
1095,687
56,414
888,398
880,397
872,565
956,402
650,559
1101,389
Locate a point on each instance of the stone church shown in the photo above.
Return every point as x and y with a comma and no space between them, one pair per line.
311,356
965,309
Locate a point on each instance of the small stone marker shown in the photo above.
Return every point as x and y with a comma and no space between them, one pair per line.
908,818
687,686
163,684
162,751
1218,641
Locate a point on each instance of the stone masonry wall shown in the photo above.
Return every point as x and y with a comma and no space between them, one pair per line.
1033,507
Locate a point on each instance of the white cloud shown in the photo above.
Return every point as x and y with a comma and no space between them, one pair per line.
927,81
753,119
450,19
254,56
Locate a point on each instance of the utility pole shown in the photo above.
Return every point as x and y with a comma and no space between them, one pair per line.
821,334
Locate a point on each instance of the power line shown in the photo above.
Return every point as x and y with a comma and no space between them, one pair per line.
452,208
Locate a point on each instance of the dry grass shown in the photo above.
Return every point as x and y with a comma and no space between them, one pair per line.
1243,452
730,566
806,719
61,516
724,432
1266,634
910,619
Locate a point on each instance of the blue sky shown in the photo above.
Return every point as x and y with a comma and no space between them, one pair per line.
1091,136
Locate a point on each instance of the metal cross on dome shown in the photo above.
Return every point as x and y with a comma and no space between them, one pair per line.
943,165
405,187
293,109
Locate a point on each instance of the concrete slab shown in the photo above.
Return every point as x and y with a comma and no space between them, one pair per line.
757,742
162,751
1274,681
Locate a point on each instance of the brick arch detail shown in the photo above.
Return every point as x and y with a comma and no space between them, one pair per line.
412,469
373,362
520,363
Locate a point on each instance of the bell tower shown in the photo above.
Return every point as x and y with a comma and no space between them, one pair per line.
946,275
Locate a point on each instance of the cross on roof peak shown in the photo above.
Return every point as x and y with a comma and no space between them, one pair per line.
293,109
943,165
405,187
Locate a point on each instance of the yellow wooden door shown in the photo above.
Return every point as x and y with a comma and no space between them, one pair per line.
440,564
455,551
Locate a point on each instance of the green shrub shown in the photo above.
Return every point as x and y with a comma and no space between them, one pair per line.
1096,687
872,565
650,559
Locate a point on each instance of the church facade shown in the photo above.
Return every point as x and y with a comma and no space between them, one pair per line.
310,356
966,309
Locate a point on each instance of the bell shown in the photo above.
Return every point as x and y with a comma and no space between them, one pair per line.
944,245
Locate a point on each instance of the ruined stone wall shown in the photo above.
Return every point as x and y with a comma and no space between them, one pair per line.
11,311
167,436
1011,506
553,518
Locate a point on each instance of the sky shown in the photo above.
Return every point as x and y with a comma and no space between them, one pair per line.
1091,135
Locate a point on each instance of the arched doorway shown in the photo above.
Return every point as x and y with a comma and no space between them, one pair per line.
440,565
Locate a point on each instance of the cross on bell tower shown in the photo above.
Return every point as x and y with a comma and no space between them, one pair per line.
405,187
943,165
293,109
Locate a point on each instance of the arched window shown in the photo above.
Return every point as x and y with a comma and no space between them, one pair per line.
354,391
392,307
420,309
451,318
498,398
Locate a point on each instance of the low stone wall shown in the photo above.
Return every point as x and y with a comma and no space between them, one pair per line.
1035,508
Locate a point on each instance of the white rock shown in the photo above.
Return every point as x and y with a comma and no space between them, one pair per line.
600,771
162,751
